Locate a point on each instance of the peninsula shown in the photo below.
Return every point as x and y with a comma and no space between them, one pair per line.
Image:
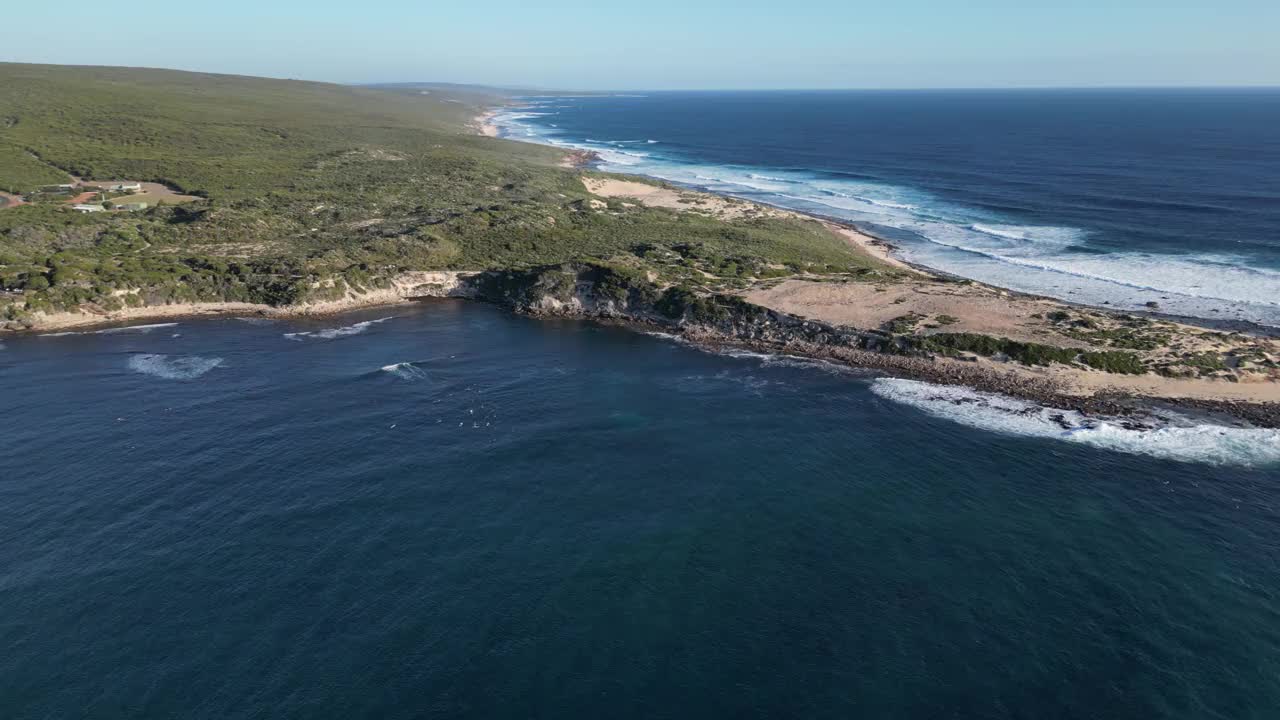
131,194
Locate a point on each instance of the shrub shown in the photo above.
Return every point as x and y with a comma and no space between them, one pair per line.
1112,361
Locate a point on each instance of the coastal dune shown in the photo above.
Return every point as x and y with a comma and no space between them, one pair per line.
729,208
931,307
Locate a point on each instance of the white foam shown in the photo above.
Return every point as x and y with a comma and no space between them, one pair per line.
1169,438
972,242
135,328
171,367
665,336
111,331
765,359
405,371
339,332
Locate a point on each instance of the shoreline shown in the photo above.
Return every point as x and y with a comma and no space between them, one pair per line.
407,288
842,308
1048,388
883,249
483,123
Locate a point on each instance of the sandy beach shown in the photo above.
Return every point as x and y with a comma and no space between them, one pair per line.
936,305
915,300
727,208
483,124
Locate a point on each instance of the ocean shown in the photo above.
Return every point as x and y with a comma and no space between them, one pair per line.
446,510
1104,197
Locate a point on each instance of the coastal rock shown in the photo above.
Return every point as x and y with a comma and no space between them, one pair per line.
628,295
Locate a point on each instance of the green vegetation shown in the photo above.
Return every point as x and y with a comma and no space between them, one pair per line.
988,346
1125,363
309,189
20,172
1034,353
682,303
1128,333
1207,361
903,323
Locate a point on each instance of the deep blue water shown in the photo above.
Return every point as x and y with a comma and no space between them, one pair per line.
448,511
1115,196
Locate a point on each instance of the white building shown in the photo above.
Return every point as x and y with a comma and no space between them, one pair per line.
88,208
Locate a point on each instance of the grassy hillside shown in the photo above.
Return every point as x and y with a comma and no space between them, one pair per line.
310,188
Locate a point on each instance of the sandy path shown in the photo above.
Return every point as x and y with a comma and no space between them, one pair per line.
83,197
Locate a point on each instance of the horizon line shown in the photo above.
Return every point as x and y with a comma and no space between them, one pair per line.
562,90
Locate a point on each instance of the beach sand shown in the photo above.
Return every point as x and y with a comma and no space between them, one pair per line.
936,305
725,208
483,124
968,307
663,196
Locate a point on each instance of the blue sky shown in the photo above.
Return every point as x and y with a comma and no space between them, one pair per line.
656,44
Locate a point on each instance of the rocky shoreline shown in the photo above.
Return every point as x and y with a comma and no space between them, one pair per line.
627,297
727,321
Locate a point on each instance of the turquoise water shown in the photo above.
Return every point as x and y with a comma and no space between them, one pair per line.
445,510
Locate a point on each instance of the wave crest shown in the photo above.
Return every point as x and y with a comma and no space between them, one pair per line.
333,333
135,328
969,241
405,371
1213,444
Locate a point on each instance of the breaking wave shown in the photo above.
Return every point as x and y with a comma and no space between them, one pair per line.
968,241
135,328
111,331
405,371
1170,438
333,333
173,367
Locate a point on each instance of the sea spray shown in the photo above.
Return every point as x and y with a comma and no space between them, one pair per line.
172,367
989,226
135,328
339,332
1171,438
405,371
